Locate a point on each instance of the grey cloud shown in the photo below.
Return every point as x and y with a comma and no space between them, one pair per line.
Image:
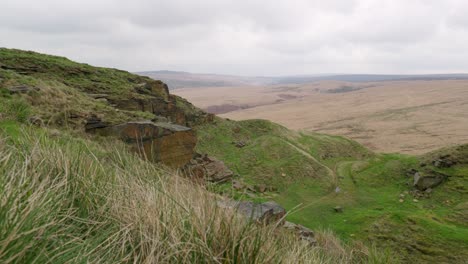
255,37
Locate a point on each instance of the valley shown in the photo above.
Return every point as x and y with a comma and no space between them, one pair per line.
410,117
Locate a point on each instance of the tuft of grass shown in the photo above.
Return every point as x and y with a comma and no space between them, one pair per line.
15,109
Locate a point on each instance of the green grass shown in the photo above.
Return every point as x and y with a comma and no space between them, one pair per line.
271,153
370,198
14,108
371,184
82,76
70,200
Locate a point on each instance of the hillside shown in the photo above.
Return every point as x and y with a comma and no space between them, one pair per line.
75,192
375,191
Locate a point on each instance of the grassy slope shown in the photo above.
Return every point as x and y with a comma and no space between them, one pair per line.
273,155
306,168
431,229
81,76
65,88
53,210
52,184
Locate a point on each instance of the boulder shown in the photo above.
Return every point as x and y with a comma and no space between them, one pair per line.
170,144
338,209
263,213
239,144
217,171
426,180
302,232
209,169
445,161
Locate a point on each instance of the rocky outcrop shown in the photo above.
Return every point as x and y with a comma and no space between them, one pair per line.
103,101
426,180
93,122
447,157
205,168
338,209
159,140
154,97
444,161
302,232
269,213
170,144
263,213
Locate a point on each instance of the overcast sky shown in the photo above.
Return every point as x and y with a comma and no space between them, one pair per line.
247,37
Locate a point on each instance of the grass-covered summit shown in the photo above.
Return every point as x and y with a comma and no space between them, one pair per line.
70,92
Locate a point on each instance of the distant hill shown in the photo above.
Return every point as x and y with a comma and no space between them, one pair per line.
369,78
180,79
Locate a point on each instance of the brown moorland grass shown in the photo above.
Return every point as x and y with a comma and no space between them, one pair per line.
410,117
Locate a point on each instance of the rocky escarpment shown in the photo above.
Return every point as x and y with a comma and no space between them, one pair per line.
170,144
154,97
110,88
106,102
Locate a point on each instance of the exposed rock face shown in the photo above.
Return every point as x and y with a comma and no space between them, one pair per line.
170,144
92,123
264,213
208,169
423,181
154,97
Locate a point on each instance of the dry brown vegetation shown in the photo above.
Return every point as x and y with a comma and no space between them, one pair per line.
399,116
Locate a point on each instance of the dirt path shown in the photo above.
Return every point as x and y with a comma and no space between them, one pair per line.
305,153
